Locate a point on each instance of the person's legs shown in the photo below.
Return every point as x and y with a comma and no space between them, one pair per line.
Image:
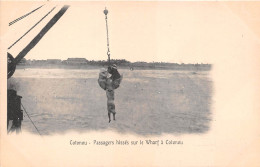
111,109
110,104
114,116
109,119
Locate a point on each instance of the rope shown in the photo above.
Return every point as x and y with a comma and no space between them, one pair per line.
31,28
12,22
31,120
108,51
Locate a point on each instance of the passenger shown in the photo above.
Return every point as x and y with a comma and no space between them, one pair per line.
109,84
115,76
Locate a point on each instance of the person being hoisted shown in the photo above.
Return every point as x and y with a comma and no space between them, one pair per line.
109,84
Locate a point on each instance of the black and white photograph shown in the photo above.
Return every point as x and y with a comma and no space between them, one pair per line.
80,88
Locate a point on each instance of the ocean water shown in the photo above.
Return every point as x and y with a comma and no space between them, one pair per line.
148,102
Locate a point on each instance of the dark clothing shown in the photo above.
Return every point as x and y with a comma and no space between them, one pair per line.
115,74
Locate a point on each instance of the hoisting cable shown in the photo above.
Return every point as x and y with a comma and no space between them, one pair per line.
108,51
18,19
39,36
31,28
31,120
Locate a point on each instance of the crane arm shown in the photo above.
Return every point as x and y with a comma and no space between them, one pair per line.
39,36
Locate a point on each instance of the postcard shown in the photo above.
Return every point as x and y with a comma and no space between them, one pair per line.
130,83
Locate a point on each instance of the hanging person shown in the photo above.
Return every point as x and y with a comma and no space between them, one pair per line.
109,84
115,76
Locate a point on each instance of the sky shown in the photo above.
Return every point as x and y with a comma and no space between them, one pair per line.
177,32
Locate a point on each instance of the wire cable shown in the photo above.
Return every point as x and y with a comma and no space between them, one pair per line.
31,120
20,18
39,36
31,28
